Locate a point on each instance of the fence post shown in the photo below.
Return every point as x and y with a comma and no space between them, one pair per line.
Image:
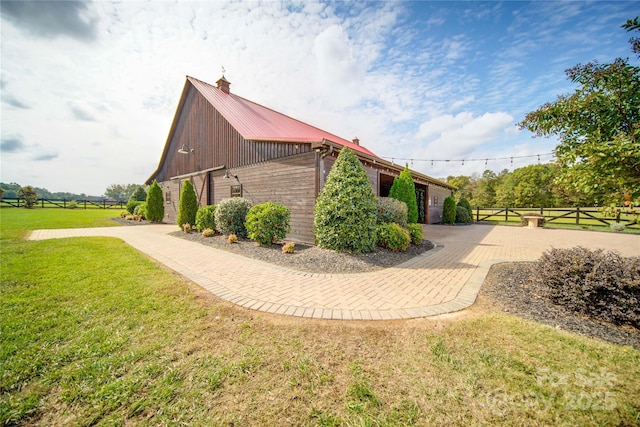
578,215
542,211
42,203
64,203
85,203
617,216
477,214
506,214
18,201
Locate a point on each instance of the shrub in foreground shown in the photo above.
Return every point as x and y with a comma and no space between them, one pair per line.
132,205
392,236
462,215
415,231
449,211
230,216
267,223
391,210
141,210
600,284
345,211
206,218
188,204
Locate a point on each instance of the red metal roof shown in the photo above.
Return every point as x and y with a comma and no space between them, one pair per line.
258,123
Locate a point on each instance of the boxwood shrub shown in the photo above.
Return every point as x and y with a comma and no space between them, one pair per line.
268,222
392,236
230,216
465,204
132,204
415,231
596,283
205,218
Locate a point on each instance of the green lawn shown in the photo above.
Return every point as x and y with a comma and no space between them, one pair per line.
94,333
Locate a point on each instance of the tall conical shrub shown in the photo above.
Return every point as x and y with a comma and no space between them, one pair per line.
188,206
345,212
155,203
404,189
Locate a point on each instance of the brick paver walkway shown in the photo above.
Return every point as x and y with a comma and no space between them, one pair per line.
443,280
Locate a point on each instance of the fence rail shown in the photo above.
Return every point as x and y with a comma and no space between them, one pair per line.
574,216
65,204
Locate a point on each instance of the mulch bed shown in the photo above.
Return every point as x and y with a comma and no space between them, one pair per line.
508,287
311,258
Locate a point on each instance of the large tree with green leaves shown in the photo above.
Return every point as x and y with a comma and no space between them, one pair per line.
404,189
598,127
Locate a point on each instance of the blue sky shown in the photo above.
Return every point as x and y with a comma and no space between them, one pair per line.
89,89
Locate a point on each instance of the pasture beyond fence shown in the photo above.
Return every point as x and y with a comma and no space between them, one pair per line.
65,204
578,216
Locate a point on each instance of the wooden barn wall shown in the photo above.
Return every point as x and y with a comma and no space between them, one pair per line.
200,127
289,181
435,200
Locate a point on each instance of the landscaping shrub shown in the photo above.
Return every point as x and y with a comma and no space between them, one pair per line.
188,204
186,227
391,210
206,218
230,216
415,231
155,203
139,195
345,211
232,238
267,223
132,204
449,210
600,284
524,221
462,215
72,205
208,232
465,204
141,210
404,189
288,248
392,236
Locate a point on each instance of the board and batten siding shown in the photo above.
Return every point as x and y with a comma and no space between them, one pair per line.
214,141
288,181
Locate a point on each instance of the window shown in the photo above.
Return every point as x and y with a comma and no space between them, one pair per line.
236,190
167,197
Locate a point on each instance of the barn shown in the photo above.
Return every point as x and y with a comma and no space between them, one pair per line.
228,146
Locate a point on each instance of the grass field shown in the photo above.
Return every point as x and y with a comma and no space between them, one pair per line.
94,333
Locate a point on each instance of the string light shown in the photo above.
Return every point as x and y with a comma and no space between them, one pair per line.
485,160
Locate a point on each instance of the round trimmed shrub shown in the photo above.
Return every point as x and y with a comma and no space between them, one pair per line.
155,203
462,215
392,236
141,210
345,211
465,204
230,216
206,218
188,205
267,223
391,210
415,231
132,205
449,210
